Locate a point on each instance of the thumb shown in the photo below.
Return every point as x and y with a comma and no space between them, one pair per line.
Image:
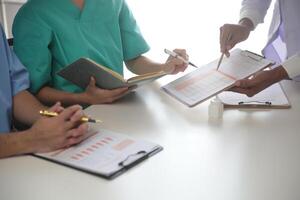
92,82
245,83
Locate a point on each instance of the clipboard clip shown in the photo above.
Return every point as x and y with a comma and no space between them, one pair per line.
267,103
253,55
126,162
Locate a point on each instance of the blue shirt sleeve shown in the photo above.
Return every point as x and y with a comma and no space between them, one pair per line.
18,74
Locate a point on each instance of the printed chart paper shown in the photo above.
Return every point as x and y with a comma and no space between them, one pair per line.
206,82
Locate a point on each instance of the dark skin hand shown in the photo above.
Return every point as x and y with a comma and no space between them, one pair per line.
260,81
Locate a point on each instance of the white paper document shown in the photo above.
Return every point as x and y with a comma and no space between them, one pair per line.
104,153
206,81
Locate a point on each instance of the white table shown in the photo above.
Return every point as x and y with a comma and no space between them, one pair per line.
248,155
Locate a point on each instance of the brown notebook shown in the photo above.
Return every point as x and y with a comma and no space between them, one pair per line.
83,69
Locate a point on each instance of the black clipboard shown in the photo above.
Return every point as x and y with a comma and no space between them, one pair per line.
114,174
119,152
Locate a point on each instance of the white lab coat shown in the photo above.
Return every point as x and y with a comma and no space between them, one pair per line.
256,10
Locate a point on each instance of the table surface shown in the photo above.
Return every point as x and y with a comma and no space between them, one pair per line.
250,154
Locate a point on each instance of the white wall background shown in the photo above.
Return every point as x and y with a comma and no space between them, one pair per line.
191,24
8,10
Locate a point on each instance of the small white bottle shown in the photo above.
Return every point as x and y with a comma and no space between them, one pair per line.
215,109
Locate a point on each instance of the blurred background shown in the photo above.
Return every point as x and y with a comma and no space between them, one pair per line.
190,24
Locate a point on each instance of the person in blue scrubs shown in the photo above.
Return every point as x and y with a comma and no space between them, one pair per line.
46,134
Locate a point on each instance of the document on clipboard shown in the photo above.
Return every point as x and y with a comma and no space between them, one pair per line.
206,81
272,97
104,153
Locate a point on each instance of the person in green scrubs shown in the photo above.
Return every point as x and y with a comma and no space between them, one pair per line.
51,34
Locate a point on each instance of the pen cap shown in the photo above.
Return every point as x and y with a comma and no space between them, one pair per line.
215,109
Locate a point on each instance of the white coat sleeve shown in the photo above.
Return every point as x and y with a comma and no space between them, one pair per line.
292,66
255,10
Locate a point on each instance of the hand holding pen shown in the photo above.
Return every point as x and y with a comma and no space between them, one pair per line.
178,60
226,41
176,55
55,114
232,34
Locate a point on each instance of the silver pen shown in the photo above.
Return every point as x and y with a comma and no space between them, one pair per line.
175,55
222,56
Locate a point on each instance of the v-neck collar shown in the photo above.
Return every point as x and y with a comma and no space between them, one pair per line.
75,10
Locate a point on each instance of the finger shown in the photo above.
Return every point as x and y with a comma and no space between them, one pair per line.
92,82
56,108
227,39
79,131
172,65
73,141
249,92
179,69
177,61
227,54
82,134
76,117
223,37
117,92
238,90
133,87
245,83
67,113
182,53
183,68
113,99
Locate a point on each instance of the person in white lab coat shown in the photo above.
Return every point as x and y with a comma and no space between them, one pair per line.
283,45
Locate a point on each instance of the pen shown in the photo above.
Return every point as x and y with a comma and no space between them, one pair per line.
222,56
220,61
54,114
175,55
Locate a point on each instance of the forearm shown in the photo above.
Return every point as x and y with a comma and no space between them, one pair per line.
26,108
142,65
50,96
16,144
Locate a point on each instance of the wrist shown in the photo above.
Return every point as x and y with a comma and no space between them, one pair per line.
156,67
280,74
24,142
247,23
162,66
83,98
166,68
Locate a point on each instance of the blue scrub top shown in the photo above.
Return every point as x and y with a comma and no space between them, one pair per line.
13,79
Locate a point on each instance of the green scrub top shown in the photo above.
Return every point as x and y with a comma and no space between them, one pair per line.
51,34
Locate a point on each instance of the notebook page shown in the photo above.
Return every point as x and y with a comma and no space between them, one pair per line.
101,153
